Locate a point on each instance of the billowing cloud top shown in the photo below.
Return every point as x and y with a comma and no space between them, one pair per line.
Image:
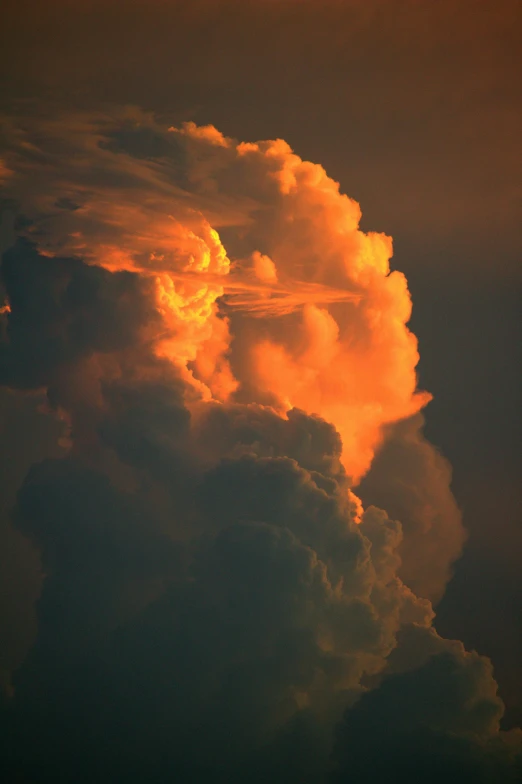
125,194
224,353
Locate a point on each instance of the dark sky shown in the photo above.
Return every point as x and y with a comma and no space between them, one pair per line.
414,108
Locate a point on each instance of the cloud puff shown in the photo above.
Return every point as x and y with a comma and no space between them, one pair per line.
431,718
62,310
411,480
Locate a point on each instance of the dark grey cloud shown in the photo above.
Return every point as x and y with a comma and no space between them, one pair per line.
29,434
218,655
431,722
412,481
63,310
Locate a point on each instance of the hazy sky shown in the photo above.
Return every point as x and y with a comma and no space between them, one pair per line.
153,395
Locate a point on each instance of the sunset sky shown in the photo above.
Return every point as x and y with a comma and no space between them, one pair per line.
260,391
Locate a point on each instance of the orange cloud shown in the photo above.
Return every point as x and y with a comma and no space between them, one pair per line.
295,307
353,361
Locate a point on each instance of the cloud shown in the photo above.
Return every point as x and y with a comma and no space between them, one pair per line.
152,200
228,354
436,717
29,434
256,617
412,481
62,310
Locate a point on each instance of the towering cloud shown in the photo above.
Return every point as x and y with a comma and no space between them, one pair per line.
223,356
127,195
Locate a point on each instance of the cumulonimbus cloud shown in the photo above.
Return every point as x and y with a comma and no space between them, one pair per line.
229,354
128,195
